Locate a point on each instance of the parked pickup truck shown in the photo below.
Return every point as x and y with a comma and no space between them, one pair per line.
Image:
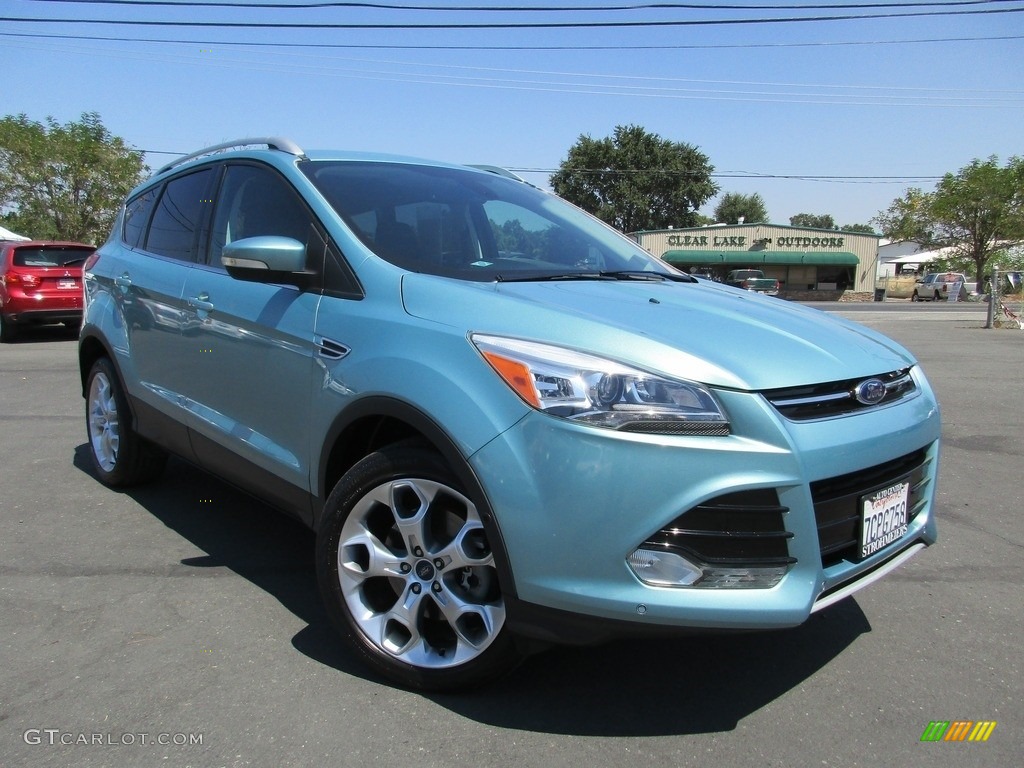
753,280
935,286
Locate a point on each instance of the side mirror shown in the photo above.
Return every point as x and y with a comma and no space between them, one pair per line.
266,259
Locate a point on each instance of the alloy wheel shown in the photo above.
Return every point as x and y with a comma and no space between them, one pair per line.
104,423
418,576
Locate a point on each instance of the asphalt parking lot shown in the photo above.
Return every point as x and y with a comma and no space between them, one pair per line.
179,624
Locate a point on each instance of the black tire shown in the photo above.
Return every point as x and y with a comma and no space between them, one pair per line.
119,456
8,331
937,297
914,296
407,575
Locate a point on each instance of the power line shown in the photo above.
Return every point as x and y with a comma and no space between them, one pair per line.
512,25
528,8
589,83
843,179
861,179
485,47
902,89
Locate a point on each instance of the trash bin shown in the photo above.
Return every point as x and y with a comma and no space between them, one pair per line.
879,294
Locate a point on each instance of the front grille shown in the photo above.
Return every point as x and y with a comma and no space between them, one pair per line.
744,528
837,398
837,509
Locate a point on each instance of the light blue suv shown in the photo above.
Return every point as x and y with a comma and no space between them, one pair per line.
507,423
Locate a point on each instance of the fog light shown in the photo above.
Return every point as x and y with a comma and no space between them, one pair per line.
743,578
663,569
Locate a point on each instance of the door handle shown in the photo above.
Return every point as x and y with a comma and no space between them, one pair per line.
201,302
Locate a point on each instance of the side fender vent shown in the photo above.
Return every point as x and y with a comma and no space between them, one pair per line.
331,350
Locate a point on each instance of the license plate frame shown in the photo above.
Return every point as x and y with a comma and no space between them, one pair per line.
884,516
67,284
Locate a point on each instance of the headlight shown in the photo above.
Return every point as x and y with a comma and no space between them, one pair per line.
602,393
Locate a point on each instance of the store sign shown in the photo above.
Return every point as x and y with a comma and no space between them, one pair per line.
809,242
728,241
703,240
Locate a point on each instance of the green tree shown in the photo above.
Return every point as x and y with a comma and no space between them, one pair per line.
66,181
635,180
513,237
735,206
975,213
813,220
864,229
908,218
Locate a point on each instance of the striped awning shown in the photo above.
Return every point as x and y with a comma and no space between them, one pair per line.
750,258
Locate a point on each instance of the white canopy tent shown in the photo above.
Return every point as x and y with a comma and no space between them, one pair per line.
889,267
916,258
6,234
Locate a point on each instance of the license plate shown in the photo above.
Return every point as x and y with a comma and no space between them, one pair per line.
67,284
884,517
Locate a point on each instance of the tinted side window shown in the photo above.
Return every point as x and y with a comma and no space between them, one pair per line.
172,231
255,201
136,214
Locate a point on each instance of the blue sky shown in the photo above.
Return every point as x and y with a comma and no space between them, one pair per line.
851,98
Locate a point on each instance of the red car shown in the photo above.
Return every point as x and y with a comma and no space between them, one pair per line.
40,282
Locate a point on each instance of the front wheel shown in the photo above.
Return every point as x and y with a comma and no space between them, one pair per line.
915,297
408,575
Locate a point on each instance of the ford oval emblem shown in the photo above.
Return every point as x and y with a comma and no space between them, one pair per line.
870,392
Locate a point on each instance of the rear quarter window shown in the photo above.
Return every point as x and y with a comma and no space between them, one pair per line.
136,214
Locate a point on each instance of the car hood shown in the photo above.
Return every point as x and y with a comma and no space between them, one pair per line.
701,331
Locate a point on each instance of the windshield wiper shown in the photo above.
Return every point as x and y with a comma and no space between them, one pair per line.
626,274
555,277
623,274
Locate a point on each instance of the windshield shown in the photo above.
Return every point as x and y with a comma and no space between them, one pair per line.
472,225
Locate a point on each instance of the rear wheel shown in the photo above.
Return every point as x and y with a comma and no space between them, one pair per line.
408,576
119,455
8,332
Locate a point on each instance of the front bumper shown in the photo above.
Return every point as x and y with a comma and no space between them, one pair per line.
573,502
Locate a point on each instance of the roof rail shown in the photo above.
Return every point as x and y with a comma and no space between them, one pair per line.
272,142
499,171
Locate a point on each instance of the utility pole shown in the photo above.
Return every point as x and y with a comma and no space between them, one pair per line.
993,299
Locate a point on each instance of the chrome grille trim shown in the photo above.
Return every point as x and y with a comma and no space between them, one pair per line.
739,529
837,398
